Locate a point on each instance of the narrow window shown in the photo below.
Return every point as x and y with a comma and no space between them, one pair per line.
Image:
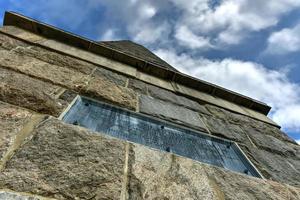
154,133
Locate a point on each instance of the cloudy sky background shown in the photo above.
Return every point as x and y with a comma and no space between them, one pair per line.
249,46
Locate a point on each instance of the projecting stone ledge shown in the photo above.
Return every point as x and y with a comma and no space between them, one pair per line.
64,161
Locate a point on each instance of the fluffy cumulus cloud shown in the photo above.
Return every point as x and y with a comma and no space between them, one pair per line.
284,41
248,78
198,24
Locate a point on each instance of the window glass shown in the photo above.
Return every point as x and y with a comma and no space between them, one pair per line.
130,126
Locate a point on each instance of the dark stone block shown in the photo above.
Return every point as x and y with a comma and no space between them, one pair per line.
68,96
170,112
138,86
225,129
169,96
110,76
276,167
270,143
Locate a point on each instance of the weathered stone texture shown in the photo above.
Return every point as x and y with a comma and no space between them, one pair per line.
138,86
21,33
66,162
85,55
225,129
10,195
24,91
12,120
166,95
51,57
170,111
113,77
66,72
103,88
276,167
236,186
157,175
58,75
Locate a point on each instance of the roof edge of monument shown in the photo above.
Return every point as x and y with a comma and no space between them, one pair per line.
48,31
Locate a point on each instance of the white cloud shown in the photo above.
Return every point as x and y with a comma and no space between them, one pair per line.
150,33
146,11
232,20
298,141
284,41
189,39
109,35
248,78
227,23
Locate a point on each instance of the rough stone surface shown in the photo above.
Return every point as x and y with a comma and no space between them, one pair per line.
103,89
276,167
18,32
227,115
40,69
9,195
100,60
51,57
157,175
66,162
271,144
113,77
224,129
68,96
263,128
12,120
170,111
155,80
235,186
138,86
24,91
166,95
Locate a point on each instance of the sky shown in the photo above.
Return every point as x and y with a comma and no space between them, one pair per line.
248,46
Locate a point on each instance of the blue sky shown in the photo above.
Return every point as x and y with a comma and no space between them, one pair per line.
249,46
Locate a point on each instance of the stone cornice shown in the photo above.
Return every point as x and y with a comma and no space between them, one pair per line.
48,31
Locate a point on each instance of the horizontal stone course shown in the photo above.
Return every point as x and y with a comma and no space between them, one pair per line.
276,167
225,129
40,69
104,88
165,95
27,92
51,57
128,70
171,112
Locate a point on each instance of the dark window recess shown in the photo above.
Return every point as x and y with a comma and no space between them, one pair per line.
157,134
